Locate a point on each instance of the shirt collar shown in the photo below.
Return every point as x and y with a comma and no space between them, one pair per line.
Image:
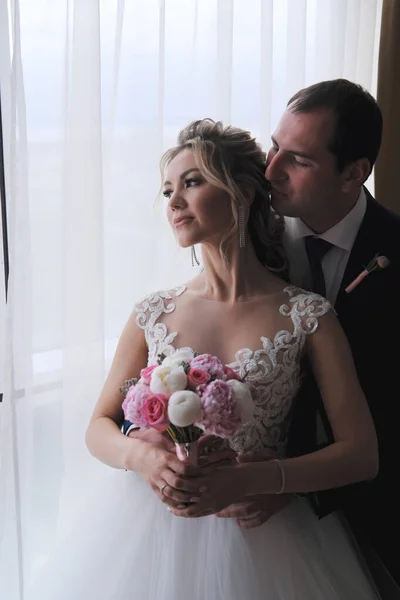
342,234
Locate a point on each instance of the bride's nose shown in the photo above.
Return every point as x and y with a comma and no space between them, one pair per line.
177,201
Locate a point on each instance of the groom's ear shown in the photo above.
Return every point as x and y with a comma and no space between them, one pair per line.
355,174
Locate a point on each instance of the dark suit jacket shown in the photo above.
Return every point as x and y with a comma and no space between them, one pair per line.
370,317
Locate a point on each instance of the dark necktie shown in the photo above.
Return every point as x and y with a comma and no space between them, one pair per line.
316,249
309,401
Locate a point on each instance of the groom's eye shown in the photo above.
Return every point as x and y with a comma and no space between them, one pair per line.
298,163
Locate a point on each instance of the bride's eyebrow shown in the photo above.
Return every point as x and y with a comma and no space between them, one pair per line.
184,174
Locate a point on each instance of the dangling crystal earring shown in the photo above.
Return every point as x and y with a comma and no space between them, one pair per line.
195,260
242,238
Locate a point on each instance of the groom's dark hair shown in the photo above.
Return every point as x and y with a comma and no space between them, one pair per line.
358,127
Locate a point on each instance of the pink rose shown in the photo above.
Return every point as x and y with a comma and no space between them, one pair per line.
197,377
146,373
230,374
209,363
155,411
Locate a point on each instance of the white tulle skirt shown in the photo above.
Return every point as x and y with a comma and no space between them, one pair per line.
129,547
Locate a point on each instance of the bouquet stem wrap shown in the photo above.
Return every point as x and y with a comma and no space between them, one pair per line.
188,453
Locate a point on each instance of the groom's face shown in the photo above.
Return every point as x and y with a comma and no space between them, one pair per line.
302,170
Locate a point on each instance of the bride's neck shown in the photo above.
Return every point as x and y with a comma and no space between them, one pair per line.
238,278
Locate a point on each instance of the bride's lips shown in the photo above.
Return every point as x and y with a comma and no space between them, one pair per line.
182,221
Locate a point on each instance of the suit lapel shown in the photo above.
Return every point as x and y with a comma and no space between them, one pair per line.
364,249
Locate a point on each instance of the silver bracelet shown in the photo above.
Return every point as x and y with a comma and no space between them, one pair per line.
283,476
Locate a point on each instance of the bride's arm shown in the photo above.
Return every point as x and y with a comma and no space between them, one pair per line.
353,456
160,467
103,436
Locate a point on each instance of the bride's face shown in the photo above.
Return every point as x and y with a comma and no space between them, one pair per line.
197,210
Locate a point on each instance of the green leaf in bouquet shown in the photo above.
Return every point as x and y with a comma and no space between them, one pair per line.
161,357
186,367
184,435
127,385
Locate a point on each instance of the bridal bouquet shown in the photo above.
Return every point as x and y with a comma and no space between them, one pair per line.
187,395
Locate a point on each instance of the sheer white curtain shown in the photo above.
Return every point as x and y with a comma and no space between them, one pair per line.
92,92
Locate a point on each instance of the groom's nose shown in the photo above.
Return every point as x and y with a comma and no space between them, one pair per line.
275,170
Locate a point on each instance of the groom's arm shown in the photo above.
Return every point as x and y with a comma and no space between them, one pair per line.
128,427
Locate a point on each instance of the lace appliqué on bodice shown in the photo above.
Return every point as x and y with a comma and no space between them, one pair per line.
149,310
273,370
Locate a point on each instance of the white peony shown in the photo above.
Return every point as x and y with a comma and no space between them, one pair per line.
242,395
178,357
184,408
167,380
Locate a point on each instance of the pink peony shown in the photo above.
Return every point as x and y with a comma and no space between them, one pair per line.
231,374
210,364
155,411
220,415
145,374
197,377
133,405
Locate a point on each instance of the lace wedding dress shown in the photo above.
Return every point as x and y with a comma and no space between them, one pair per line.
128,547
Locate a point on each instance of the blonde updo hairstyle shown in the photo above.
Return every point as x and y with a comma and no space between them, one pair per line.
232,160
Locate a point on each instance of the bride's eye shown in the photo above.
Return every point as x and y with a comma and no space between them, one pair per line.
192,182
167,193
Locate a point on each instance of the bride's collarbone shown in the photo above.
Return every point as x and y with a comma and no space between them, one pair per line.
224,335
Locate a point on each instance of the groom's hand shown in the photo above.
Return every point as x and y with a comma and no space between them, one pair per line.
212,453
260,508
258,511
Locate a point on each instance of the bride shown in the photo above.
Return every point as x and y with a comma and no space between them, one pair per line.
151,532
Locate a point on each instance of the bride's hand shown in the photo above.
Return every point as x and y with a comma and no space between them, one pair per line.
174,482
154,437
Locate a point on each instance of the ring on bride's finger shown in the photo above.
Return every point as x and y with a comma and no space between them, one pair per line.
162,488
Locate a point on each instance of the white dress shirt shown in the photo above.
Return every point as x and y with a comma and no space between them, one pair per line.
341,236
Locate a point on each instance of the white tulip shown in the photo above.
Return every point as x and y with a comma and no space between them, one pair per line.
179,356
167,380
184,408
243,397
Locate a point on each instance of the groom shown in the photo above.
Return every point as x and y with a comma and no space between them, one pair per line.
323,150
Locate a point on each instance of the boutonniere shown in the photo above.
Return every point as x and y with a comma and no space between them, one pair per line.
378,262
